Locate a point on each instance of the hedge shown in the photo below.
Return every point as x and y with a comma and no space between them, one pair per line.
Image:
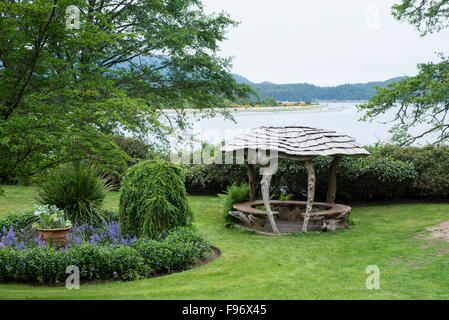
19,220
178,250
22,220
390,172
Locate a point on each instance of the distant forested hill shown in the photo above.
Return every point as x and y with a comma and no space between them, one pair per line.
310,92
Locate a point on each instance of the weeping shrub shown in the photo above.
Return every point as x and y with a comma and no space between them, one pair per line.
153,199
78,189
235,193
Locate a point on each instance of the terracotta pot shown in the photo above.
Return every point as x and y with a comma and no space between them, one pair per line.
59,237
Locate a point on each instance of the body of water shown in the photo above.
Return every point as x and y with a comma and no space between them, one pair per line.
342,117
339,116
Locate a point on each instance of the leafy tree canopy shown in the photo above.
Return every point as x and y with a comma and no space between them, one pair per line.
427,16
422,100
66,91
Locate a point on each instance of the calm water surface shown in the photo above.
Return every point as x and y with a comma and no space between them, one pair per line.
338,116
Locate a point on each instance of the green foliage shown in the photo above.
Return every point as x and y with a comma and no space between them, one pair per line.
78,189
430,162
136,149
178,250
51,217
266,102
391,172
153,199
286,198
428,16
65,92
418,100
310,92
235,193
424,98
374,177
19,220
204,178
2,192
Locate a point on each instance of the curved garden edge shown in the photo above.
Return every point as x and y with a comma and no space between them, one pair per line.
216,253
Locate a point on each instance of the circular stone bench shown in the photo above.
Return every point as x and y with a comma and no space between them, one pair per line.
324,216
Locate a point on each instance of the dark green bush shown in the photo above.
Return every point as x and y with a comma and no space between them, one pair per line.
153,199
234,194
177,250
135,149
380,176
78,189
20,220
213,178
430,162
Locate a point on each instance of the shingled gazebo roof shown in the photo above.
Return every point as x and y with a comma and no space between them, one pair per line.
297,141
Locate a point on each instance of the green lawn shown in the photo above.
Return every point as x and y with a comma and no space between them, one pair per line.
312,266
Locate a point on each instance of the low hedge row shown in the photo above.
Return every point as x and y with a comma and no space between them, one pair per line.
19,220
22,220
390,172
177,250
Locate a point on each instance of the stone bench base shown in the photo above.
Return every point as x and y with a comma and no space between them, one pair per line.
289,215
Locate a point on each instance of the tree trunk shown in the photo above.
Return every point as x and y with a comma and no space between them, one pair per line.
252,182
265,183
332,180
310,192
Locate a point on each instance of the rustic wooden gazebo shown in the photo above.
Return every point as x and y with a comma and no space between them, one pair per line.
295,143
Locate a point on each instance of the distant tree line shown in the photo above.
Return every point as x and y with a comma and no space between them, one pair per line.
310,92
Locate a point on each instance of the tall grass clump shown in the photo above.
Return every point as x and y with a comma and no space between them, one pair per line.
78,189
153,199
235,193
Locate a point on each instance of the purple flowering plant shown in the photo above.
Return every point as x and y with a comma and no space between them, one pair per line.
108,234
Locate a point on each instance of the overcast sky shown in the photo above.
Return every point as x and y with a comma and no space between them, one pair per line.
324,42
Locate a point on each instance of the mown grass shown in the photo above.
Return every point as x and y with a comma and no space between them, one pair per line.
312,266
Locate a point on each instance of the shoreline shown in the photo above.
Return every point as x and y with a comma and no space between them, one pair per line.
311,108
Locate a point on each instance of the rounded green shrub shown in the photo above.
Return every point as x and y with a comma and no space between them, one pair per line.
78,189
235,193
19,220
153,199
177,250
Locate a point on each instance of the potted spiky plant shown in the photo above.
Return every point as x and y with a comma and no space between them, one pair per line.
53,225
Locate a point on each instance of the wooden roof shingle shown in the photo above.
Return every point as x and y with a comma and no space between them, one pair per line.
296,141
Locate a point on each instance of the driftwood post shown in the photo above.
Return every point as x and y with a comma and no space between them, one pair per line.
265,184
252,182
310,192
332,180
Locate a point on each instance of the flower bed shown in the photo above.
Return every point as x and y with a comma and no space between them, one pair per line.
100,253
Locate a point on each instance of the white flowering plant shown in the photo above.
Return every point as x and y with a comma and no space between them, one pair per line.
51,217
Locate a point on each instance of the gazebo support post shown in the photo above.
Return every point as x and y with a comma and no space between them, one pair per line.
265,185
332,180
252,182
310,192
